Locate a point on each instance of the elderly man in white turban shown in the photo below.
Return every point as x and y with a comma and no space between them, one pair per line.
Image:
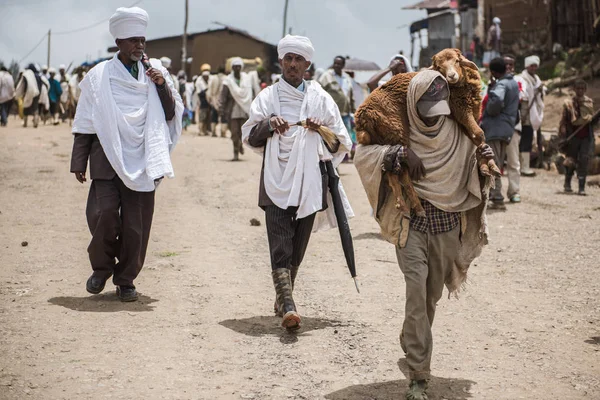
234,103
293,181
128,120
532,111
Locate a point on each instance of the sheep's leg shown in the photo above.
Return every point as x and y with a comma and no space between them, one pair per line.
412,195
394,182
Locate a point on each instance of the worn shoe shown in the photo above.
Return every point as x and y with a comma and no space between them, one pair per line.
282,281
95,285
417,390
127,293
293,273
581,191
516,198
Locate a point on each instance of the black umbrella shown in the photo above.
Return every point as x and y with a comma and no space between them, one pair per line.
342,220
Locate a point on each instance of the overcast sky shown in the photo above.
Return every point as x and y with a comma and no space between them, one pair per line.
368,29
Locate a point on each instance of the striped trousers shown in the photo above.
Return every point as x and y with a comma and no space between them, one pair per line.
288,237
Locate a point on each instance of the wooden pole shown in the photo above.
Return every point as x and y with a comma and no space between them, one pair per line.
48,59
184,48
285,11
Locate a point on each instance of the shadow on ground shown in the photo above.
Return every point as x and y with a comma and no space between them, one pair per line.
106,302
439,388
266,325
594,340
369,235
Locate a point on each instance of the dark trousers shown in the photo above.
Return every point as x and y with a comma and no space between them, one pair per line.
288,236
579,150
499,148
4,109
119,220
526,143
235,126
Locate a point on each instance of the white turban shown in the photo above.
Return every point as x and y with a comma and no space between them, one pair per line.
62,66
237,61
51,70
496,20
532,60
166,62
128,22
296,44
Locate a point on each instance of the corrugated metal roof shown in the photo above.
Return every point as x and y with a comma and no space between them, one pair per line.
432,4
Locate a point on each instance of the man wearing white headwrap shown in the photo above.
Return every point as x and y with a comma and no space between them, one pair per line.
292,189
127,122
532,111
494,39
234,104
399,64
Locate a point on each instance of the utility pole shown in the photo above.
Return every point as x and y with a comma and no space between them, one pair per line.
285,10
184,48
49,34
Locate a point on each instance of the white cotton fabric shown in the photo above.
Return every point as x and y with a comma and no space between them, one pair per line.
292,176
533,95
407,63
297,45
128,22
7,86
165,61
129,120
32,88
531,60
237,61
242,93
44,98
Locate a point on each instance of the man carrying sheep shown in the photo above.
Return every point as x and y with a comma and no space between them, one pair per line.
292,189
438,248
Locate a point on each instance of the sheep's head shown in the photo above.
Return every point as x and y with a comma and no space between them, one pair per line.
450,63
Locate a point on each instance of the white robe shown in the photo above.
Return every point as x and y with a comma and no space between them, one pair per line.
242,93
534,97
292,176
129,120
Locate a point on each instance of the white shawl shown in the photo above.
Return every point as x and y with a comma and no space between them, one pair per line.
32,88
242,93
533,95
129,120
292,176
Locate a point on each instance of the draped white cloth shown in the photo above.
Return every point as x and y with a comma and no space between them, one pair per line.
242,93
7,87
129,120
32,90
292,176
533,93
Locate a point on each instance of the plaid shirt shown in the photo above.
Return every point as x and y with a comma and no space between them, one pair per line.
435,221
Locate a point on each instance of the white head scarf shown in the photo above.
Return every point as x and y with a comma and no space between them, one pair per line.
237,61
128,22
496,20
409,67
165,61
532,60
296,44
62,66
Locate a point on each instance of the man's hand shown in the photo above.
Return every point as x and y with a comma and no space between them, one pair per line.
156,76
279,124
416,169
313,123
80,176
485,151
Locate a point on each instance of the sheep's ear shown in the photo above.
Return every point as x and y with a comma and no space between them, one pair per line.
468,64
434,64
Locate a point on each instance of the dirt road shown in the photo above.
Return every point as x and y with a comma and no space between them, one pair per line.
528,326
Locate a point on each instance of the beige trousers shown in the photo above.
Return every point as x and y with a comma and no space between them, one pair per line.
513,169
425,262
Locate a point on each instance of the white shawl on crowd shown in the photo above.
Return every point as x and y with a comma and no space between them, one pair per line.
129,120
292,176
32,90
242,93
533,93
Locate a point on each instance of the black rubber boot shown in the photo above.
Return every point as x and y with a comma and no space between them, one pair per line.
282,281
581,186
293,272
568,177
